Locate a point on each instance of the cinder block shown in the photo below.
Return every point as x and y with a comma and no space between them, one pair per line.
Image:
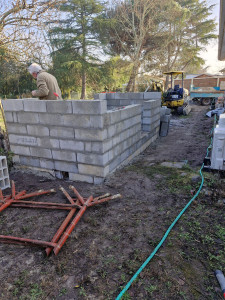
64,155
151,112
28,118
87,146
102,96
62,132
41,152
151,120
71,145
4,173
82,178
98,180
20,150
37,130
97,147
114,102
122,96
115,163
164,129
47,142
34,106
8,116
115,140
16,159
51,119
47,164
91,134
30,161
13,105
59,106
93,170
136,96
110,96
165,119
89,107
152,95
17,128
93,159
22,140
66,166
15,117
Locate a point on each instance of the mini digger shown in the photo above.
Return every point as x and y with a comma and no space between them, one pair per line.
175,97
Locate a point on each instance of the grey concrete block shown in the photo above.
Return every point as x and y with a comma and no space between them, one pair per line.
93,159
113,102
30,161
22,140
40,152
122,96
115,116
66,166
8,116
28,118
96,96
186,110
152,95
151,120
91,134
71,145
82,178
165,118
98,180
115,163
115,140
16,128
64,155
93,170
110,96
15,117
12,105
51,119
37,130
164,129
107,145
62,132
97,147
46,142
47,164
34,106
16,159
88,147
151,112
83,121
59,106
89,107
111,131
102,96
136,96
20,150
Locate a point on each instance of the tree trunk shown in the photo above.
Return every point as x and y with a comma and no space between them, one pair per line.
131,84
83,91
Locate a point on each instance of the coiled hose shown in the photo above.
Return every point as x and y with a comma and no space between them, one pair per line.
169,229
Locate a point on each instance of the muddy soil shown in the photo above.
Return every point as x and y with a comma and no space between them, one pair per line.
112,240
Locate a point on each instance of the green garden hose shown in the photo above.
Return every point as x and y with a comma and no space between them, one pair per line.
167,232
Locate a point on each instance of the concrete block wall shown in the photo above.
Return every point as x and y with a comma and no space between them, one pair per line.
79,139
149,101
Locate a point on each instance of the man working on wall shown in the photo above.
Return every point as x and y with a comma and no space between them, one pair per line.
47,85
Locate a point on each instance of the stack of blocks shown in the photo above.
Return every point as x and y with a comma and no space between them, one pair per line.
4,173
77,139
164,120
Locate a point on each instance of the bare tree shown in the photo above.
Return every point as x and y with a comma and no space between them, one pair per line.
21,22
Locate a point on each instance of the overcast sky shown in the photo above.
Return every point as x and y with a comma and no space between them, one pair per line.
211,55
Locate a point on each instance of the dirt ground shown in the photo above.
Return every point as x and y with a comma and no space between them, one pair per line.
112,240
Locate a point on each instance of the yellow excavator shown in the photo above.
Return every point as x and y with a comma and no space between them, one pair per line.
175,97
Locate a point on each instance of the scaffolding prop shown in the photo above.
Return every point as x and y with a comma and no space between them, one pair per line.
77,204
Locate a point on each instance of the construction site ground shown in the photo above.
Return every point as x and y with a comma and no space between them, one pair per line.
112,240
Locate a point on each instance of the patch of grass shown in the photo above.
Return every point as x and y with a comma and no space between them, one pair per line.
35,292
151,288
